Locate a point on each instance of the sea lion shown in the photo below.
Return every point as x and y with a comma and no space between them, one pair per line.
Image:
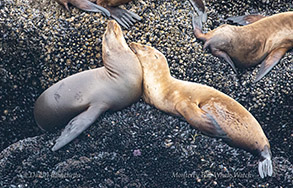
108,7
205,108
266,40
80,99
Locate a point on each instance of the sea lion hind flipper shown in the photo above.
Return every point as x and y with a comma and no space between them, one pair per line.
199,7
87,5
245,19
196,23
270,61
265,167
77,125
200,119
123,17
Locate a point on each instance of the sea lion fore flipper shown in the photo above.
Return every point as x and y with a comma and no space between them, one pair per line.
123,17
270,61
200,119
222,54
77,125
246,19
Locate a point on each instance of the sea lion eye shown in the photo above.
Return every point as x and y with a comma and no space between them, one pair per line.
156,56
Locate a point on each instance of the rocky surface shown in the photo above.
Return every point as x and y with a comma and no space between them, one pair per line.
139,146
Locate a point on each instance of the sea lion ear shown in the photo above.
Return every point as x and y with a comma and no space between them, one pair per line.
200,119
77,125
270,61
246,19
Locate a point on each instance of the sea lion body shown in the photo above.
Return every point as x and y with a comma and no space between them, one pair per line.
267,40
205,108
86,95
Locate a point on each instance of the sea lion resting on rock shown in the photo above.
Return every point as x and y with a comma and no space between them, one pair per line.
266,40
205,108
80,99
108,7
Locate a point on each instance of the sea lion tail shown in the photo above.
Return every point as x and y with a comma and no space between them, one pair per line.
265,167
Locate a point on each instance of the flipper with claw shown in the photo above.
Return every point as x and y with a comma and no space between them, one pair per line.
246,19
199,7
265,167
124,17
77,125
85,5
270,61
200,119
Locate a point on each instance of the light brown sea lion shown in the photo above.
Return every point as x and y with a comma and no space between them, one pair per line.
205,108
109,7
80,99
266,41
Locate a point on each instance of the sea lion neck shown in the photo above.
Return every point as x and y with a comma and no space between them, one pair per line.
121,63
118,59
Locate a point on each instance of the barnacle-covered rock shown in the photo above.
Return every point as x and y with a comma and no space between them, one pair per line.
41,43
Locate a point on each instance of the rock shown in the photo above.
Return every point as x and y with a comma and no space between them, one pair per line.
41,43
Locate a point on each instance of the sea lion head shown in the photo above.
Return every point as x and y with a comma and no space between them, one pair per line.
113,40
149,57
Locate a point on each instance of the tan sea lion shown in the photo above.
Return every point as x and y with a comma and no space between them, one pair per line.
266,40
205,108
108,7
80,99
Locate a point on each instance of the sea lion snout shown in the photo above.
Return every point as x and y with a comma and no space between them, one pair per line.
113,30
141,50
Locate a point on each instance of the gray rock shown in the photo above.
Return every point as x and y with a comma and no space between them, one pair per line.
42,43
